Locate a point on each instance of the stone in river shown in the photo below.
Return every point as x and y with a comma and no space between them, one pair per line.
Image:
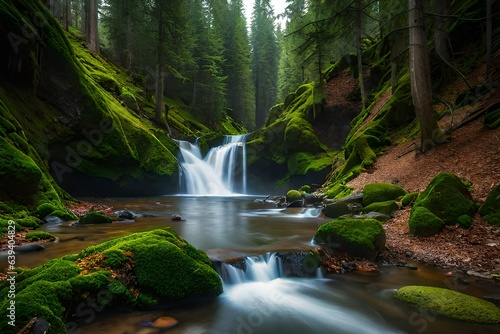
164,322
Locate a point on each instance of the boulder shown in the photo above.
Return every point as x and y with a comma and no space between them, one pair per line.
348,205
381,192
358,237
95,218
293,195
386,207
450,303
490,210
448,199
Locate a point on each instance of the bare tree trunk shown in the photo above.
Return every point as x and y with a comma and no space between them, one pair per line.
67,14
159,66
358,50
420,79
489,37
91,25
441,40
129,43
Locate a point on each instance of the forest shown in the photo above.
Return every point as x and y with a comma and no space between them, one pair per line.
249,166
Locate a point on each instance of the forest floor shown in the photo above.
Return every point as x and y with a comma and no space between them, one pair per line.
473,153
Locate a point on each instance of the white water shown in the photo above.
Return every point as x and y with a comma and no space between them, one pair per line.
267,303
219,173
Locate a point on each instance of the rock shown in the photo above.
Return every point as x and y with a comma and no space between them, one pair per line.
381,192
349,205
476,274
296,204
53,220
446,200
490,210
450,303
41,326
95,218
126,215
357,237
387,207
311,199
176,218
293,195
164,323
29,248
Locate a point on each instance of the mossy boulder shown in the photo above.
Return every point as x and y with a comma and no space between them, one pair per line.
293,195
386,207
358,237
95,218
447,198
450,303
409,198
348,205
490,210
141,269
424,223
39,235
381,192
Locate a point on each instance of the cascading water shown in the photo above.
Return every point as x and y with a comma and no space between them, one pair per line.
222,172
265,302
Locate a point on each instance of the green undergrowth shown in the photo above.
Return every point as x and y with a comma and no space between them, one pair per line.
138,270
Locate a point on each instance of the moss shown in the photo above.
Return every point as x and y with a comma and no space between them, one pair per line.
293,195
381,192
490,210
464,221
300,163
300,136
424,223
409,198
448,198
450,303
114,258
45,209
305,189
358,237
39,235
386,207
64,215
95,218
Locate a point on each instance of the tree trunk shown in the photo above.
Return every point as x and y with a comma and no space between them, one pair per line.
130,57
67,14
441,40
489,38
420,79
358,51
91,23
159,66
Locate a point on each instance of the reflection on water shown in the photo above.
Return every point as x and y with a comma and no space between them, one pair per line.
227,227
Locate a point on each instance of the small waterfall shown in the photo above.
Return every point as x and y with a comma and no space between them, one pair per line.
222,172
261,268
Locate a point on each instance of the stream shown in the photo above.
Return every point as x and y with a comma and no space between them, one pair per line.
260,300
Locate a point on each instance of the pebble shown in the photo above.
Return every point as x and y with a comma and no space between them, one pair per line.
164,322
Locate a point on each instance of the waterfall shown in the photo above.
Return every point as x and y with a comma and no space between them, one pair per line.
222,172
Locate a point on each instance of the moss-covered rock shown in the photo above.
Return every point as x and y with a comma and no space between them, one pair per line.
490,210
450,303
409,198
386,207
293,195
447,198
39,235
95,218
358,237
381,192
424,223
348,205
139,269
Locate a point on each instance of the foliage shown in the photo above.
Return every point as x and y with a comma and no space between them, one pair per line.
450,303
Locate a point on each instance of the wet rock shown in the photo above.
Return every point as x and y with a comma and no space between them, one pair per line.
177,218
126,215
476,274
29,248
296,204
53,220
310,199
41,326
164,323
349,205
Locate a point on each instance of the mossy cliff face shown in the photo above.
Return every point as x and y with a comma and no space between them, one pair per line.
445,199
287,152
141,269
74,111
450,303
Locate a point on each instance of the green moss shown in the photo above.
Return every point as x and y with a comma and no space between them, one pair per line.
293,195
95,218
39,235
358,237
490,210
450,303
448,198
114,258
424,223
381,192
45,209
409,198
305,189
64,215
300,136
386,207
492,118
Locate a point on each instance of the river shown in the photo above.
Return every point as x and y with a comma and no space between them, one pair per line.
227,227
